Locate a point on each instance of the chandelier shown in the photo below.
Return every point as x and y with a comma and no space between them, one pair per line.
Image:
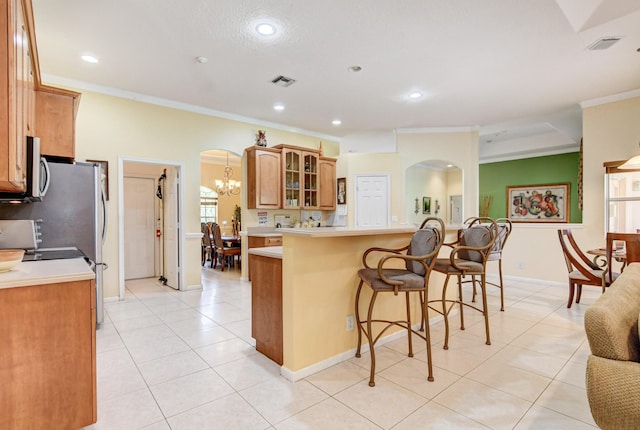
227,186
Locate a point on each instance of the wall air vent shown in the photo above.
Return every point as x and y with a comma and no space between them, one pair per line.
604,43
283,81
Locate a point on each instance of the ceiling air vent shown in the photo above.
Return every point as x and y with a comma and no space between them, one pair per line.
283,81
604,43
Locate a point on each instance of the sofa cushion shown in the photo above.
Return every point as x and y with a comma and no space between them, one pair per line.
611,323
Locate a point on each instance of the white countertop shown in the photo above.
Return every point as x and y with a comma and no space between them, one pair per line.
272,234
267,251
46,272
345,231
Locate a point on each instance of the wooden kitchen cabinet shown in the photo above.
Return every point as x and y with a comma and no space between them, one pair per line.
48,356
304,179
263,177
327,181
266,306
56,110
17,97
300,177
262,241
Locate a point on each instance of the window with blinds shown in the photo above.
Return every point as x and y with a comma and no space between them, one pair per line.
208,205
622,198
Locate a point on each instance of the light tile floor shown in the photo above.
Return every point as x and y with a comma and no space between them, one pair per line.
186,361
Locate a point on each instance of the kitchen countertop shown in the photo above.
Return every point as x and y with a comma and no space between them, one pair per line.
268,251
345,231
46,272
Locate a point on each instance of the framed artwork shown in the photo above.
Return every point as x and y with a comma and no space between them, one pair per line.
104,174
341,191
426,205
538,203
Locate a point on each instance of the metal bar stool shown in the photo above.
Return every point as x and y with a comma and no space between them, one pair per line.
419,257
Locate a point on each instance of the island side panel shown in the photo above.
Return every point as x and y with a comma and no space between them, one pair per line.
319,287
266,305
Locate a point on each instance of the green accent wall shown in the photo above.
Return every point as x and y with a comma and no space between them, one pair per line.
551,169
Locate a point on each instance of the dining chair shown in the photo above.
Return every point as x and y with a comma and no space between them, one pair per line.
631,252
385,276
468,257
582,270
504,231
221,251
207,246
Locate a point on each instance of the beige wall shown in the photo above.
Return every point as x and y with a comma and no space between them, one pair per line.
110,127
611,132
459,148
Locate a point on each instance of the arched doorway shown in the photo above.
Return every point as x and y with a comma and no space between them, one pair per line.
434,188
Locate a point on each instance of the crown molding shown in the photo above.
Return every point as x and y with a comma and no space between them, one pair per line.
143,98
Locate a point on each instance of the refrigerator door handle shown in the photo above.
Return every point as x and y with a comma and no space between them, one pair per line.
105,215
47,176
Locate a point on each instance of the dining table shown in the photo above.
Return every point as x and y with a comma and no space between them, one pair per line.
600,256
229,241
232,241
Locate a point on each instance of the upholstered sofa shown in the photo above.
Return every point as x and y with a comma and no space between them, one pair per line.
613,368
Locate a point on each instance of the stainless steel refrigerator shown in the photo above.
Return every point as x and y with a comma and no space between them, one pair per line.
72,214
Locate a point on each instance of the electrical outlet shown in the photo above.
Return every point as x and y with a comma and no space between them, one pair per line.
350,322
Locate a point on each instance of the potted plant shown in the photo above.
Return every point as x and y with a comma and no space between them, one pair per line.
237,215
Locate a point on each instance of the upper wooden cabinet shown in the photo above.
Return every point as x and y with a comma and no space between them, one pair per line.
28,108
305,180
17,80
263,177
327,187
299,178
56,121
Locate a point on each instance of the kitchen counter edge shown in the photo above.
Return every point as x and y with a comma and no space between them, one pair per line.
267,251
344,231
29,273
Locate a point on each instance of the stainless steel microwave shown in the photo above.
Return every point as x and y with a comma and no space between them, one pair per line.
38,176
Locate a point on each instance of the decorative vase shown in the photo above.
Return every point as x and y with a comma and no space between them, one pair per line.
261,139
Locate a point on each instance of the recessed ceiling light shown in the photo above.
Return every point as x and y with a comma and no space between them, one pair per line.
354,69
266,29
278,106
415,95
336,122
89,58
202,60
449,165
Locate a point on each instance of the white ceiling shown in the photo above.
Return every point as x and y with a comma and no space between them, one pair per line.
517,69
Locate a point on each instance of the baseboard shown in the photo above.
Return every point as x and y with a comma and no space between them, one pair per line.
192,287
297,375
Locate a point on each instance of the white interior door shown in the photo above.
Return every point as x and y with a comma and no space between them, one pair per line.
372,201
455,209
171,229
139,228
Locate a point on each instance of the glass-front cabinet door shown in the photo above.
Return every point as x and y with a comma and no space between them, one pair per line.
292,181
310,180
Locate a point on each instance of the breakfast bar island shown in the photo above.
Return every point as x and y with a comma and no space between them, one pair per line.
304,292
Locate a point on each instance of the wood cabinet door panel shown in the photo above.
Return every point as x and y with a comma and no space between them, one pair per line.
55,124
263,175
47,356
327,190
266,307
